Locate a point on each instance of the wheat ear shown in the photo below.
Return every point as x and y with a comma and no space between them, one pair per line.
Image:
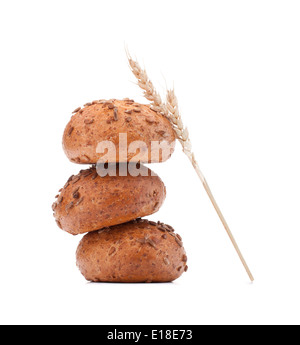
171,112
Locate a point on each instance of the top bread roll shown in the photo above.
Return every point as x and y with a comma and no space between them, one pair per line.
101,121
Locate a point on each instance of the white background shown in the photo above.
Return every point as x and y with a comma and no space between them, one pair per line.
235,66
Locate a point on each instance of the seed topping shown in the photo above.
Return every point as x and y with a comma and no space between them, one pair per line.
76,193
111,251
148,240
178,242
75,179
70,130
152,223
116,114
166,261
79,201
150,120
75,111
88,121
69,206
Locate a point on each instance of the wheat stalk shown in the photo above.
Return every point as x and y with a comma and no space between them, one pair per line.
171,112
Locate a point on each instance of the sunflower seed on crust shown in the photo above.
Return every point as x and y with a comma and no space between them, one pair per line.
150,120
58,223
79,201
75,111
86,173
59,200
76,194
169,227
179,237
166,261
178,242
70,130
94,175
151,242
111,251
152,223
116,114
88,121
69,206
75,179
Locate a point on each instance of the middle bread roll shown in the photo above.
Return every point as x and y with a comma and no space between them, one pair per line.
89,202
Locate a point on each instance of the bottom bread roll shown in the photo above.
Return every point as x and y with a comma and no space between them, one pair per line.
133,252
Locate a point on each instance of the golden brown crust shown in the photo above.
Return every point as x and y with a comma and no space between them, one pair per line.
103,120
138,251
89,202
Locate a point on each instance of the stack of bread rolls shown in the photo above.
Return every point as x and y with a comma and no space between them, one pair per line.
119,246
